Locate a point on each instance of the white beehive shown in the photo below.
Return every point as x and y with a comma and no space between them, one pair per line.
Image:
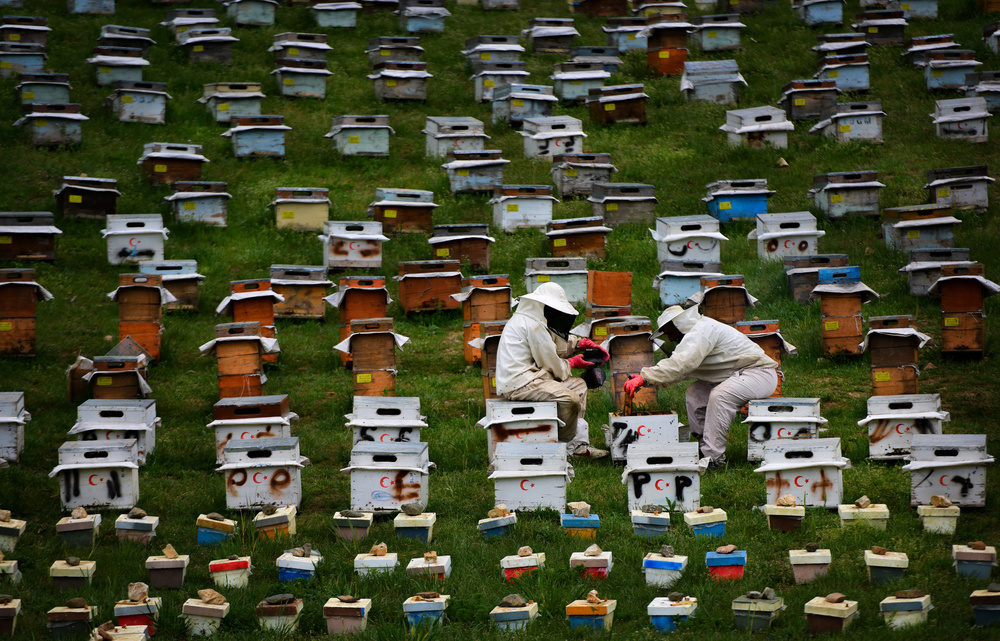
134,238
573,80
952,465
960,187
893,421
386,419
519,206
715,81
519,422
454,133
254,417
104,420
569,273
853,121
682,239
227,99
515,102
355,135
962,119
756,126
774,419
644,429
98,475
490,76
262,472
810,470
530,476
664,474
384,476
352,244
545,137
492,49
924,268
12,420
781,235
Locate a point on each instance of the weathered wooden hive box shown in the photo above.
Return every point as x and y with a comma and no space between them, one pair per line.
53,125
386,419
623,203
893,421
952,465
781,235
140,299
522,206
811,470
499,5
490,76
359,135
199,202
342,15
816,13
683,280
475,171
85,197
117,63
139,101
663,473
18,294
847,193
208,43
918,47
852,121
113,35
63,621
227,99
757,126
302,78
358,297
43,88
775,419
947,69
429,284
653,429
72,577
962,119
352,244
577,237
423,16
631,348
400,80
572,81
393,48
848,72
809,99
802,273
262,472
515,102
384,476
600,8
29,235
570,273
519,422
346,618
13,416
492,49
607,56
21,58
841,295
444,135
239,349
25,29
963,325
618,104
916,9
716,81
925,266
489,342
881,27
530,476
98,475
372,345
425,612
681,239
181,20
720,32
134,238
301,208
251,13
766,335
960,187
608,289
550,35
484,299
304,288
257,136
622,34
304,46
666,43
919,227
120,376
893,342
469,243
544,137
731,199
165,162
724,298
250,417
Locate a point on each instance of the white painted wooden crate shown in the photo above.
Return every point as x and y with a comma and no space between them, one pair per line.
530,476
953,465
98,475
384,476
773,419
664,474
810,470
262,472
386,419
893,421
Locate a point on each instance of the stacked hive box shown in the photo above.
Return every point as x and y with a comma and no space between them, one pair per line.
489,341
252,301
180,278
240,350
27,236
577,237
841,294
403,210
608,291
766,334
250,417
358,297
121,373
893,342
724,298
467,243
483,298
140,299
802,273
666,43
963,323
372,346
428,284
303,288
85,197
18,296
631,349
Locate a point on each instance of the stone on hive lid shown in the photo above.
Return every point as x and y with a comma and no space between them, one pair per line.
879,550
513,601
938,500
430,557
279,599
170,552
138,592
268,510
78,513
379,549
862,503
76,602
215,516
136,513
835,597
753,594
579,508
812,547
234,557
768,593
993,587
705,509
786,500
649,508
666,550
592,597
676,596
499,511
347,598
412,509
725,549
352,514
72,561
976,545
910,594
4,516
593,550
524,551
427,596
211,597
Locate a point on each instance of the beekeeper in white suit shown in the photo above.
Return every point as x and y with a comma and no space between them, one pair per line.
727,368
535,360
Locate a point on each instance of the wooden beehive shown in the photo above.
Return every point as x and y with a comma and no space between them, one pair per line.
200,202
403,210
399,80
489,336
550,35
570,273
299,78
304,288
25,29
841,294
251,13
117,63
139,297
609,289
628,342
623,36
574,175
522,206
573,80
256,308
43,88
946,69
475,171
962,119
301,208
139,101
618,104
766,335
484,299
716,81
18,295
882,27
962,288
919,227
490,76
623,203
17,58
429,284
808,99
577,237
393,48
336,15
113,35
853,121
373,346
468,243
181,20
444,135
352,244
53,125
960,187
227,99
238,351
257,136
180,278
802,273
515,102
85,197
358,135
491,49
305,46
600,8
358,297
28,235
165,162
847,193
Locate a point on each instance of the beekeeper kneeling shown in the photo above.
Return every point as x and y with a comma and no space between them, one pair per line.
535,359
727,369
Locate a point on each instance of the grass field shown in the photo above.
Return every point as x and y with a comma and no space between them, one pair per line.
679,152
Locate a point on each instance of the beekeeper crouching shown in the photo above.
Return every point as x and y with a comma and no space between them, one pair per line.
535,359
727,369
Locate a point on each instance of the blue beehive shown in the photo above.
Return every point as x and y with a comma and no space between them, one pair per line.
731,199
974,563
200,202
623,33
251,13
665,614
43,88
418,528
849,72
227,99
475,171
708,524
257,136
139,101
53,125
423,16
291,567
607,56
650,525
947,68
598,616
492,49
719,32
820,12
497,527
425,611
302,78
986,605
839,275
986,85
583,527
716,81
336,15
361,135
919,9
208,44
93,7
683,280
117,63
18,57
213,532
572,80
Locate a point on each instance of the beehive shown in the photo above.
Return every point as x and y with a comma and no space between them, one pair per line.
572,81
716,81
952,465
304,289
841,194
893,342
239,348
181,20
475,171
665,614
468,243
113,35
117,420
962,289
28,236
841,294
393,48
484,299
852,121
881,27
110,472
43,88
425,612
772,420
662,473
654,428
623,203
165,162
730,199
250,417
519,422
403,210
227,99
985,85
302,78
203,619
490,76
530,476
618,104
491,49
809,470
631,348
352,244
622,36
683,280
962,119
514,102
919,227
385,419
808,99
522,206
384,476
820,12
918,47
428,284
574,174
757,126
12,419
550,35
257,136
117,63
577,237
725,298
423,16
135,238
53,125
262,472
946,69
306,46
361,135
802,273
200,202
781,235
301,208
400,80
960,187
545,137
342,15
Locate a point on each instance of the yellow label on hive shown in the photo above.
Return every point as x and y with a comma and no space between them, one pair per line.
571,173
443,252
836,198
390,83
913,233
6,326
288,214
576,82
14,37
725,205
385,53
160,169
512,207
558,242
833,73
190,205
104,69
364,378
951,321
6,240
905,7
882,377
517,102
872,29
104,380
223,106
462,172
609,107
800,102
40,123
943,193
543,278
630,36
198,48
664,54
845,128
611,207
488,83
390,213
493,383
127,99
711,34
182,29
937,74
485,56
28,95
831,326
294,51
5,65
600,331
354,139
288,82
76,199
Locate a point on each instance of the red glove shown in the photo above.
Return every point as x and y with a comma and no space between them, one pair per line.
586,343
633,384
577,362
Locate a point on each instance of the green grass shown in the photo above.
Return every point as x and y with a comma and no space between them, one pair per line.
679,152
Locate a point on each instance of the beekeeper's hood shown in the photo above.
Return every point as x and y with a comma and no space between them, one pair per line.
549,303
683,319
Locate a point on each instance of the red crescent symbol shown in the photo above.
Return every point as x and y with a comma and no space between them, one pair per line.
899,425
383,480
559,143
638,430
107,436
354,246
132,242
382,438
519,436
243,435
524,489
789,241
782,432
91,479
941,480
797,481
657,484
255,477
691,244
